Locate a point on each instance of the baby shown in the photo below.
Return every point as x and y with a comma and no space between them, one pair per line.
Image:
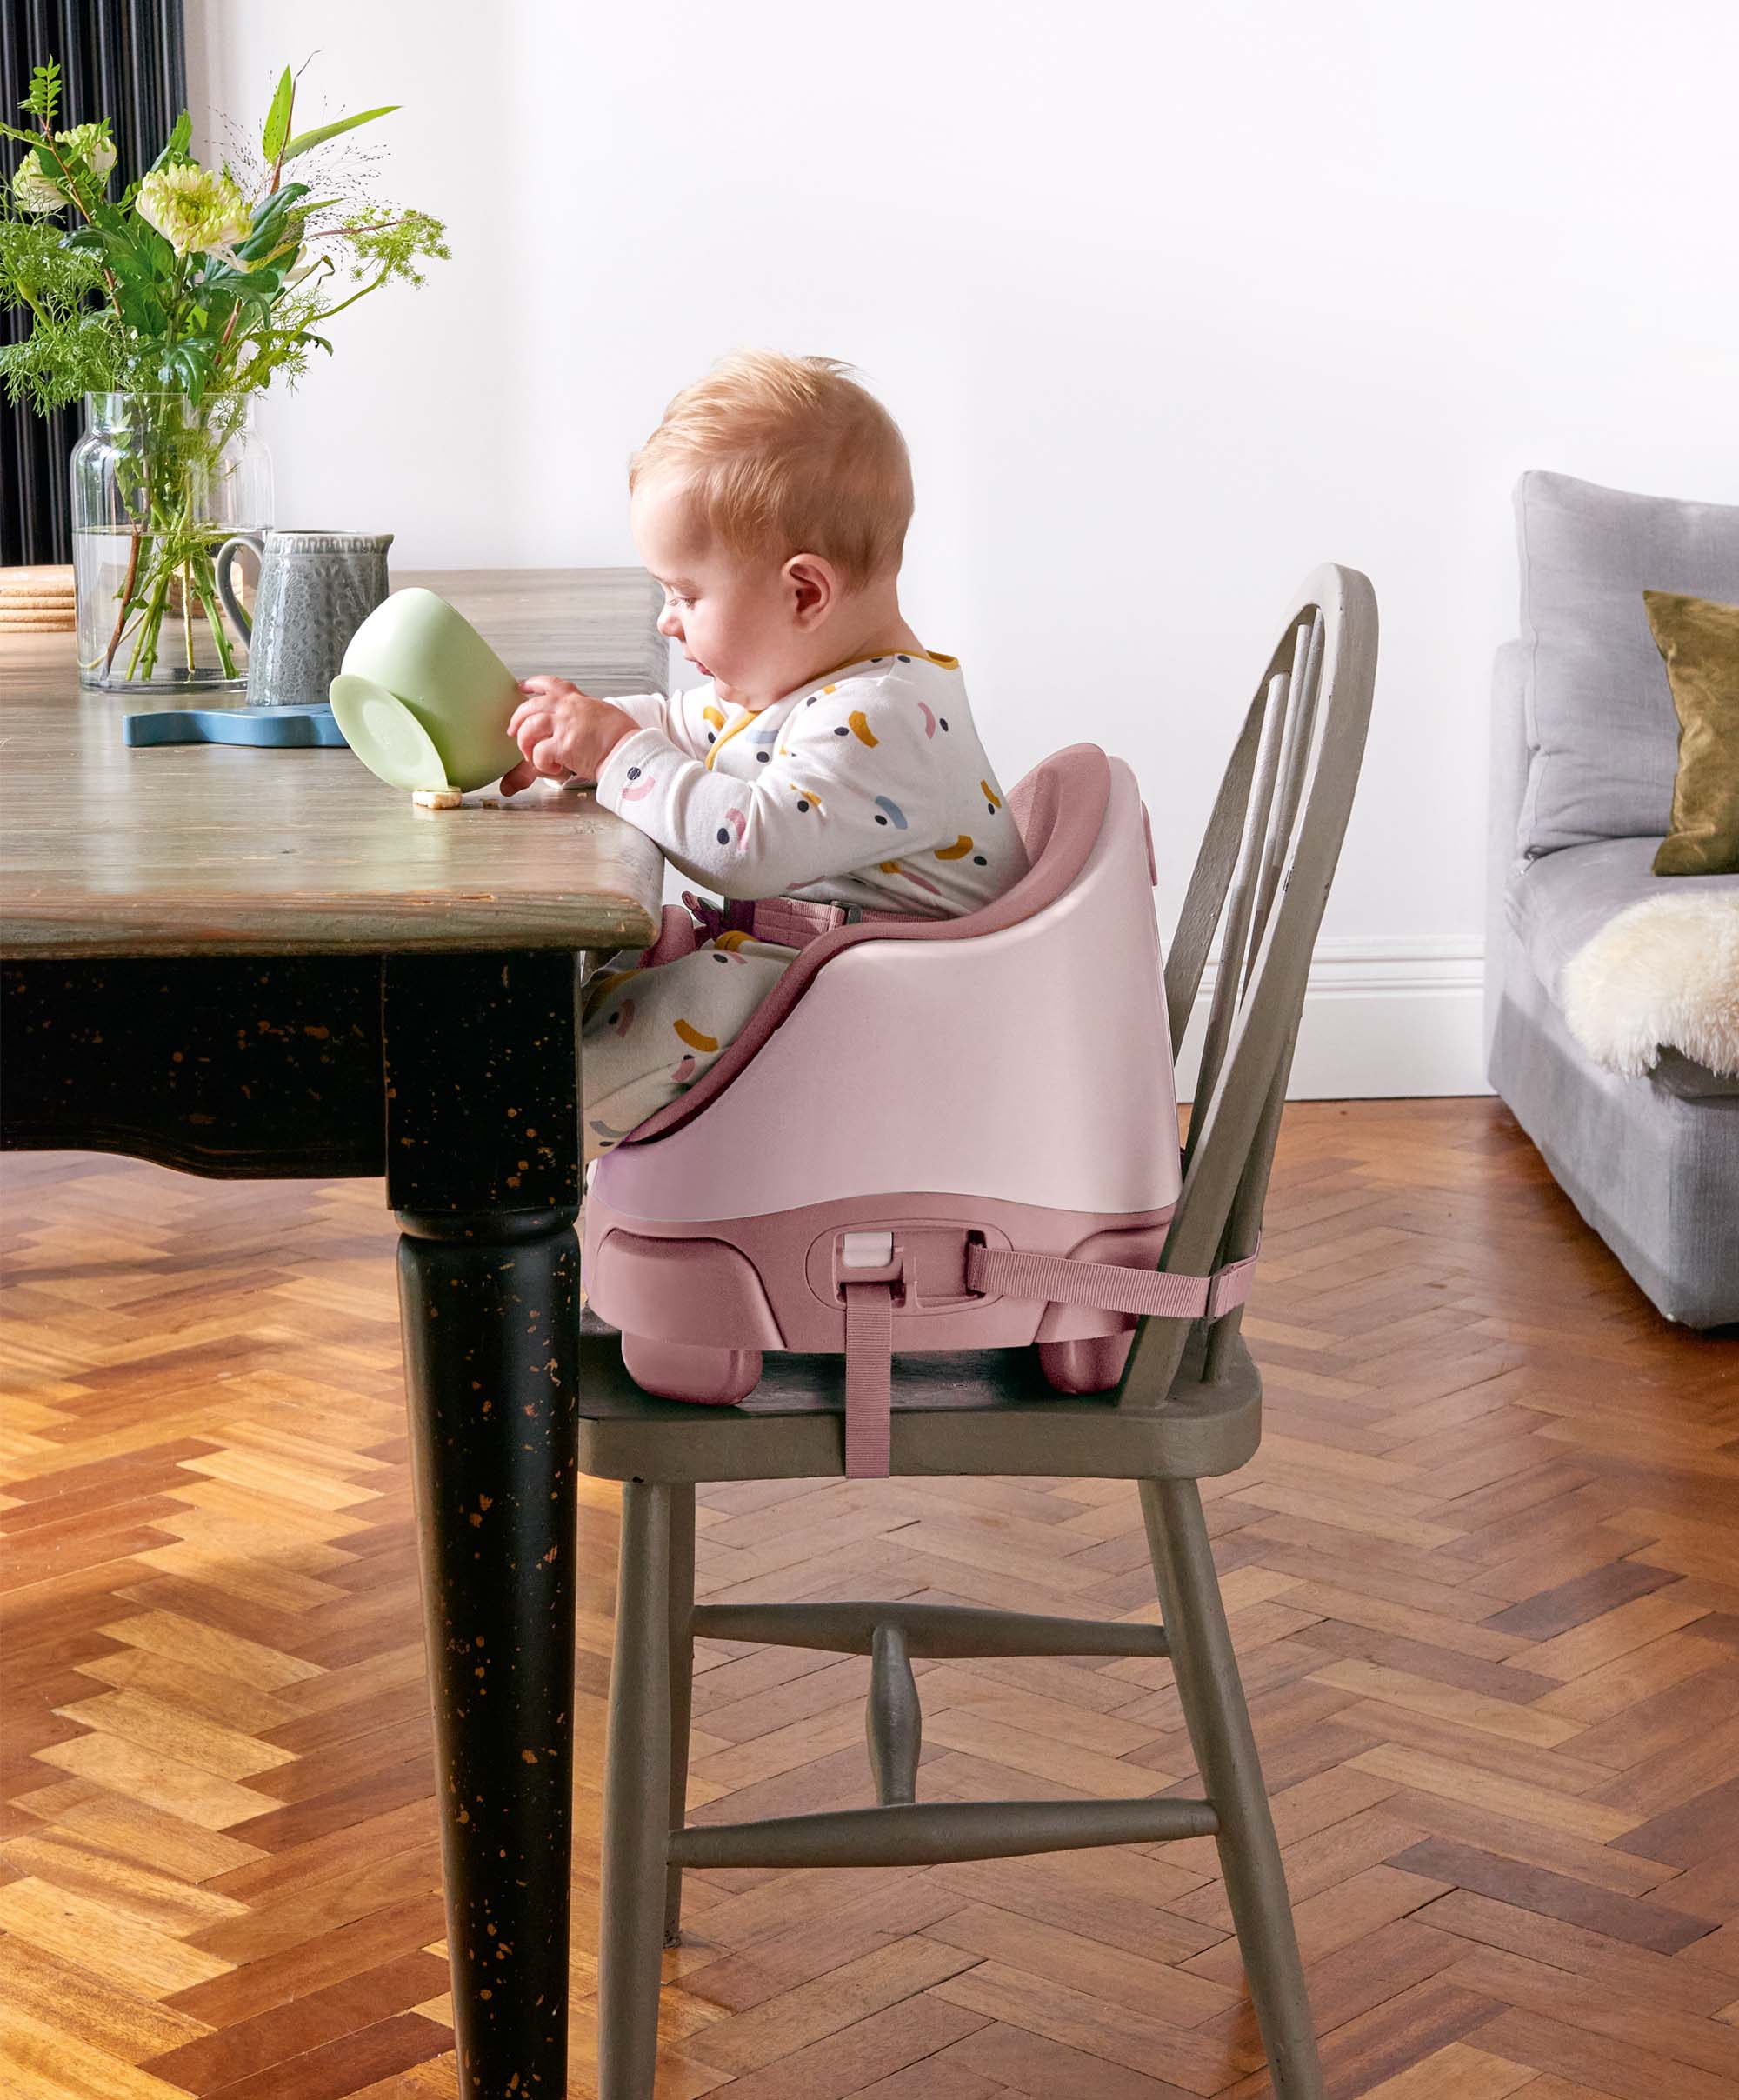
827,757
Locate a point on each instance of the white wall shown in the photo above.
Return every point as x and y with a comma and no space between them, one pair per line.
1172,301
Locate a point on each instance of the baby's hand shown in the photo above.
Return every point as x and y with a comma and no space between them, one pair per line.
565,734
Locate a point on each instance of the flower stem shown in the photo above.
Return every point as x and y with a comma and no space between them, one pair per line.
208,598
126,603
149,618
327,313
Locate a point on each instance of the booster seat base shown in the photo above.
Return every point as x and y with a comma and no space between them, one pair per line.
683,1370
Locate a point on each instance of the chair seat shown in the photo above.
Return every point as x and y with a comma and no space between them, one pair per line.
966,1411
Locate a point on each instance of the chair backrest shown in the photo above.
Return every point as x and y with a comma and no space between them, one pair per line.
1260,881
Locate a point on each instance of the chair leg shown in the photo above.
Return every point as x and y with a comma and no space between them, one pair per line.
637,1799
681,1606
1218,1721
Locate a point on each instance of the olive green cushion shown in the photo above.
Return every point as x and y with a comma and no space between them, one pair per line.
1700,642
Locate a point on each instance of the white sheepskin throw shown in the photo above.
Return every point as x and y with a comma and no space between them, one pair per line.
1664,974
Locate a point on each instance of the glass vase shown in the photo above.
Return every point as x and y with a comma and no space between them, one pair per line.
158,485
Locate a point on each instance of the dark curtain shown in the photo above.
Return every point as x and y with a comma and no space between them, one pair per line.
125,60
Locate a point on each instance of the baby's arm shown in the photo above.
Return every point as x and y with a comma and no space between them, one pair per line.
649,710
565,734
646,710
818,807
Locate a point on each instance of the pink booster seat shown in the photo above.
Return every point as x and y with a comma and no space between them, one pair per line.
933,1134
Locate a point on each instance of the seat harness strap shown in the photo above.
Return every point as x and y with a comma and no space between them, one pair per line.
791,921
1050,1278
869,1379
1156,1293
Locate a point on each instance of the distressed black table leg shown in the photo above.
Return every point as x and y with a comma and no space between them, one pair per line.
483,1153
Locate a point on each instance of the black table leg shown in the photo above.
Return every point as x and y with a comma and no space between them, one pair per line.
483,1153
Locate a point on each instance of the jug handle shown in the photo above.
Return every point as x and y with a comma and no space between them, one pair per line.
255,545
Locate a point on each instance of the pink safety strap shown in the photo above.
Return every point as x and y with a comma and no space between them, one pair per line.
793,922
1157,1293
790,922
869,1379
1049,1277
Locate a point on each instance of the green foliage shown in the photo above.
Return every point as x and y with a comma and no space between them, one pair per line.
304,142
277,118
175,149
114,306
394,243
43,98
73,348
190,294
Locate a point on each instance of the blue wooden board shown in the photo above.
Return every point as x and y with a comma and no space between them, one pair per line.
281,727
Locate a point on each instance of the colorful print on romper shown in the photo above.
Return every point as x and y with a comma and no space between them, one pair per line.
894,814
693,1037
597,988
993,802
623,1019
765,736
959,849
805,795
600,986
640,793
933,722
894,867
604,1131
734,822
717,743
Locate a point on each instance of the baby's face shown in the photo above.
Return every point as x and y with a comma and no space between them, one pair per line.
731,613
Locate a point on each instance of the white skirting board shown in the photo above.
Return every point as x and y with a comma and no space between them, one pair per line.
1383,1018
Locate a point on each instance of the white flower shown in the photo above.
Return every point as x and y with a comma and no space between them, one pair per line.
93,144
33,190
193,209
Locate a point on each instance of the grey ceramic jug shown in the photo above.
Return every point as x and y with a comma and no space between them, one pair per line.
315,590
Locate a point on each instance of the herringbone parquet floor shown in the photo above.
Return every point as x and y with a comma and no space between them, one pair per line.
1483,1577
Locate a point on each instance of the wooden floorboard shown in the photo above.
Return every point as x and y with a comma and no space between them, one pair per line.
1482,1576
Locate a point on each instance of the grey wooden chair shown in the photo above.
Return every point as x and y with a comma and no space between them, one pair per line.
1188,1407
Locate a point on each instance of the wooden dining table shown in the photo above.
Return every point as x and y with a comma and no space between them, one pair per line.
259,962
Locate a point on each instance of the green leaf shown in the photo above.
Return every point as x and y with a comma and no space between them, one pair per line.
187,365
276,205
305,141
277,118
272,227
118,256
174,146
43,98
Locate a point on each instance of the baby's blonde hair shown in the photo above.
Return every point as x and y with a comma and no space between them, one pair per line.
788,455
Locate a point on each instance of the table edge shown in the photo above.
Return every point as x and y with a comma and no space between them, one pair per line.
181,928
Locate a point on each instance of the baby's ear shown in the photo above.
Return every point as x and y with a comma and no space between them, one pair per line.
813,585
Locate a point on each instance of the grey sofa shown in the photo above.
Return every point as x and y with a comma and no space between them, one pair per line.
1584,745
